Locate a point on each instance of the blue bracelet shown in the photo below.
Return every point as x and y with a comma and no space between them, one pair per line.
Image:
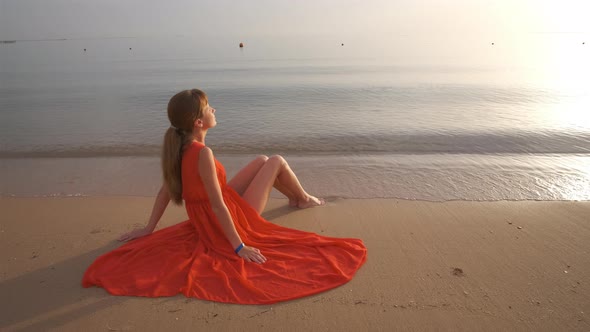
239,247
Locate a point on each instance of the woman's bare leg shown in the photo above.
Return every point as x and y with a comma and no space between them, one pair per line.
244,177
276,168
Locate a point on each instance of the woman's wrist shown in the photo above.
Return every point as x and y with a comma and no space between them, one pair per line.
239,247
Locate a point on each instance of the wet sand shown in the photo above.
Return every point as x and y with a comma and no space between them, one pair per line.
467,266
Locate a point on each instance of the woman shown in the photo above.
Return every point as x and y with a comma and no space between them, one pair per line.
210,255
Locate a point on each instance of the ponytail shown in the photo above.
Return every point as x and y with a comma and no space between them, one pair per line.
174,141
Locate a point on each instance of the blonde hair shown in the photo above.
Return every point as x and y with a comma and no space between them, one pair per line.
183,110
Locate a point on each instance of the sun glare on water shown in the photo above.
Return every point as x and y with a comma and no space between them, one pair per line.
567,72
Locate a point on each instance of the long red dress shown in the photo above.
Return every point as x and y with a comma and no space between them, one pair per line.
195,258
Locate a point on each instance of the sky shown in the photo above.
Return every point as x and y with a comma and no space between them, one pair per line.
47,19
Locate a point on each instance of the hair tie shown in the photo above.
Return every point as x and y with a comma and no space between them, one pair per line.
178,130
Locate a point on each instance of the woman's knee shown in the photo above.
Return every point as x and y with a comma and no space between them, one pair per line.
261,157
277,159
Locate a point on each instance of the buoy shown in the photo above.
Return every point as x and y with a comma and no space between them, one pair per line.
84,50
241,45
342,44
130,48
492,43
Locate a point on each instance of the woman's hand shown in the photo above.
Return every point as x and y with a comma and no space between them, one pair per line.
251,254
134,234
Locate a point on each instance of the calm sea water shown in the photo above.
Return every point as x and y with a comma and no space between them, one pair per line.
412,121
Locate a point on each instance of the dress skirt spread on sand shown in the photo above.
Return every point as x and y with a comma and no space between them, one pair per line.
195,258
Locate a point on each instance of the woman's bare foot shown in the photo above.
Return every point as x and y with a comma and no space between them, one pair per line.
310,201
292,202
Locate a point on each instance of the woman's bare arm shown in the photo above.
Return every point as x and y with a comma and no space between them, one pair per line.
209,176
158,209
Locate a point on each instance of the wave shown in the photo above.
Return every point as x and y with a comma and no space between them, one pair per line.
429,143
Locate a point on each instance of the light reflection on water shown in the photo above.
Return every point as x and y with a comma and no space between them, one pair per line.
486,123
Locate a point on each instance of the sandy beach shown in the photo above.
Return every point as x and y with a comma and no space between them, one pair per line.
467,266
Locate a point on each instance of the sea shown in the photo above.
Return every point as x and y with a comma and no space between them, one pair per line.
416,118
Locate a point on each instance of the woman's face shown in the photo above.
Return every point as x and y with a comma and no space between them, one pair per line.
208,117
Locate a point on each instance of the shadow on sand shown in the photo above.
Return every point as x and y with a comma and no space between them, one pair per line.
277,212
52,296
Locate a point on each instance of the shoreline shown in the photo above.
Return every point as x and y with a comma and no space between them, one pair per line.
275,195
459,265
433,178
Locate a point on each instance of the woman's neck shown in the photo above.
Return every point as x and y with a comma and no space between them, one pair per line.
199,136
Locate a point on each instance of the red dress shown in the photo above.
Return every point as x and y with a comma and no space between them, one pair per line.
195,258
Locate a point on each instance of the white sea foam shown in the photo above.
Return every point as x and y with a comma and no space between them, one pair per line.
415,177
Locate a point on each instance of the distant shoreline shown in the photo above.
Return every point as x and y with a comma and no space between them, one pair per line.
12,41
